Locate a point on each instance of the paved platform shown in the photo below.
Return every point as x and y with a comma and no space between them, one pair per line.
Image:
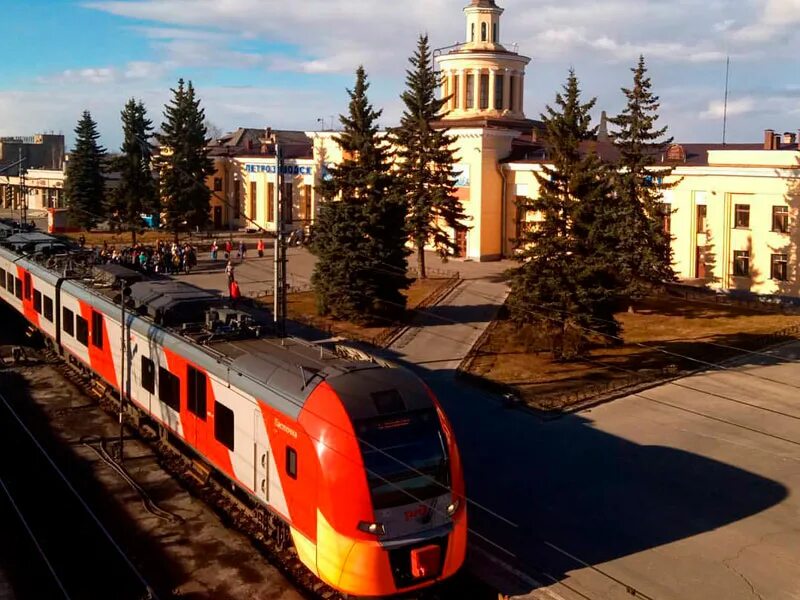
679,494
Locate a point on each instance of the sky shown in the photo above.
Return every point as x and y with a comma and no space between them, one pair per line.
287,64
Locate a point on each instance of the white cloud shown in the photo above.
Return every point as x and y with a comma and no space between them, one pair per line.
777,21
737,107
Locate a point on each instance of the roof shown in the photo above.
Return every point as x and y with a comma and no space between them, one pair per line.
696,154
248,141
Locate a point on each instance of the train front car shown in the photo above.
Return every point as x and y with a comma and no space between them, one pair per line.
391,509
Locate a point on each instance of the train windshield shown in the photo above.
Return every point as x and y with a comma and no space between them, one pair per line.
405,458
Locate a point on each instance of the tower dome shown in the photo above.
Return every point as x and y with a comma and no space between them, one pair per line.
481,77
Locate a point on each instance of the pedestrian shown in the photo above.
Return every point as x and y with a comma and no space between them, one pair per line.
242,250
82,240
235,293
214,250
260,248
228,249
230,271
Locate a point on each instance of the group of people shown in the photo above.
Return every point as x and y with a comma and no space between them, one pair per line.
228,246
163,258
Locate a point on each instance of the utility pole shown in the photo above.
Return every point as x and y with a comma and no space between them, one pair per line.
725,103
279,284
23,193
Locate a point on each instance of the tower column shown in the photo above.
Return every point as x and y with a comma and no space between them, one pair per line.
492,89
506,90
462,89
476,85
451,89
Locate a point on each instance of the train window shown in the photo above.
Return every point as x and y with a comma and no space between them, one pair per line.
68,321
169,389
10,282
48,308
148,375
197,392
223,425
37,301
2,278
291,462
18,290
97,329
82,330
28,286
388,402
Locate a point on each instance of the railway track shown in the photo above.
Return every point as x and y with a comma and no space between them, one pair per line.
38,495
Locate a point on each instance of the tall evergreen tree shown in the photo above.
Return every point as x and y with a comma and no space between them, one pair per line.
85,185
360,235
184,162
645,246
137,192
566,282
426,161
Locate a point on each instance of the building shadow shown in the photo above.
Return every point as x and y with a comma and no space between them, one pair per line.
572,489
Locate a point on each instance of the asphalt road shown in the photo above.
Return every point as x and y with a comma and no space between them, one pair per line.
679,494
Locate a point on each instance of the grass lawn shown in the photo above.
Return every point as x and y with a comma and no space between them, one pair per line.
302,307
703,331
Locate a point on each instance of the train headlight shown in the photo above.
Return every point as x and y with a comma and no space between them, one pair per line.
452,509
373,528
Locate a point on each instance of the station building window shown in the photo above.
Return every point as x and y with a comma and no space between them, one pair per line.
217,184
484,32
270,203
223,425
742,216
702,218
457,91
779,267
499,84
484,91
741,263
780,219
470,90
254,201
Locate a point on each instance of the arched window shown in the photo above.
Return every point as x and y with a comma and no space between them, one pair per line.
494,33
484,32
473,33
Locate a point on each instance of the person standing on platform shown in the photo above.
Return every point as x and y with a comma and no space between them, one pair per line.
235,293
228,249
230,271
242,250
214,250
260,248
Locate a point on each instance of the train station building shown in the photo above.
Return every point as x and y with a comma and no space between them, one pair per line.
735,207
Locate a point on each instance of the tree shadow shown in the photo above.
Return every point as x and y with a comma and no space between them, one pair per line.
791,286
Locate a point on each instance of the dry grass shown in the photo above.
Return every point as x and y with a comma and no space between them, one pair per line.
692,330
302,307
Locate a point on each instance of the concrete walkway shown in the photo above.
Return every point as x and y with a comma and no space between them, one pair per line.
440,336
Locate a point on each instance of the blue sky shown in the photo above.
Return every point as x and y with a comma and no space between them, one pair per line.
286,64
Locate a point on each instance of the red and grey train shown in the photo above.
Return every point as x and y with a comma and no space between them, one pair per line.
358,460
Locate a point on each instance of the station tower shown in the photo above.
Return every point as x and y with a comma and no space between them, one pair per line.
482,78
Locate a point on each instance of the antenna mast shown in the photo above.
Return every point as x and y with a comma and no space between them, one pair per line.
725,106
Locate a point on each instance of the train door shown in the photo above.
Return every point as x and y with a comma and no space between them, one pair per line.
197,394
260,459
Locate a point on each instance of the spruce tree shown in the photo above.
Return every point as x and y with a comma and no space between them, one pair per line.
426,161
184,162
137,192
360,235
566,283
85,185
645,247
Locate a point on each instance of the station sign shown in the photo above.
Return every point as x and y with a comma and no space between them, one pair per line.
285,169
